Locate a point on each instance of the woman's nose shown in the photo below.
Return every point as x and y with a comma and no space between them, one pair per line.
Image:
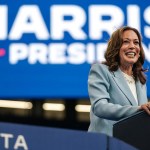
132,45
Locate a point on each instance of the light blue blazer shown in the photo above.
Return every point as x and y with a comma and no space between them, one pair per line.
111,98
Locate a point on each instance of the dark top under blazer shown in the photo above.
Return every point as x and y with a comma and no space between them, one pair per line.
111,98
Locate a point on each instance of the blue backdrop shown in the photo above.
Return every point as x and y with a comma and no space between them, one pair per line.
47,47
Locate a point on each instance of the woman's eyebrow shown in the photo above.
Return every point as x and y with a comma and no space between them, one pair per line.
130,39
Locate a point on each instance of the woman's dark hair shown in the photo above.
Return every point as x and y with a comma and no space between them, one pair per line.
113,49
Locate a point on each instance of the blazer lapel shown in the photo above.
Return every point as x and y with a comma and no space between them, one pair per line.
122,84
140,91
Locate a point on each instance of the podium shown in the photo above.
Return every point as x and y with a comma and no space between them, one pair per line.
27,137
134,130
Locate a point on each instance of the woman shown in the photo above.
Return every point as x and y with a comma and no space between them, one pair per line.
117,87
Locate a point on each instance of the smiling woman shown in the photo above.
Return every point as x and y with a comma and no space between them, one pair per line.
130,49
122,44
117,86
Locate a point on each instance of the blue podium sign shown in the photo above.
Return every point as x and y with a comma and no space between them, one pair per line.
24,137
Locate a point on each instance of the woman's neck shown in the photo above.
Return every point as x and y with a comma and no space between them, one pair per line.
127,70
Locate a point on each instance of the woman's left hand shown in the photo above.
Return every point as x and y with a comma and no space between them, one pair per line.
146,107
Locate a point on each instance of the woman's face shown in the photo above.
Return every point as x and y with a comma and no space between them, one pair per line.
130,49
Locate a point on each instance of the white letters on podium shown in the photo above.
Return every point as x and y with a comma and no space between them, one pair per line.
18,142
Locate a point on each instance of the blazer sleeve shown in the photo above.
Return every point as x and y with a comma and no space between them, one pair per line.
101,104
